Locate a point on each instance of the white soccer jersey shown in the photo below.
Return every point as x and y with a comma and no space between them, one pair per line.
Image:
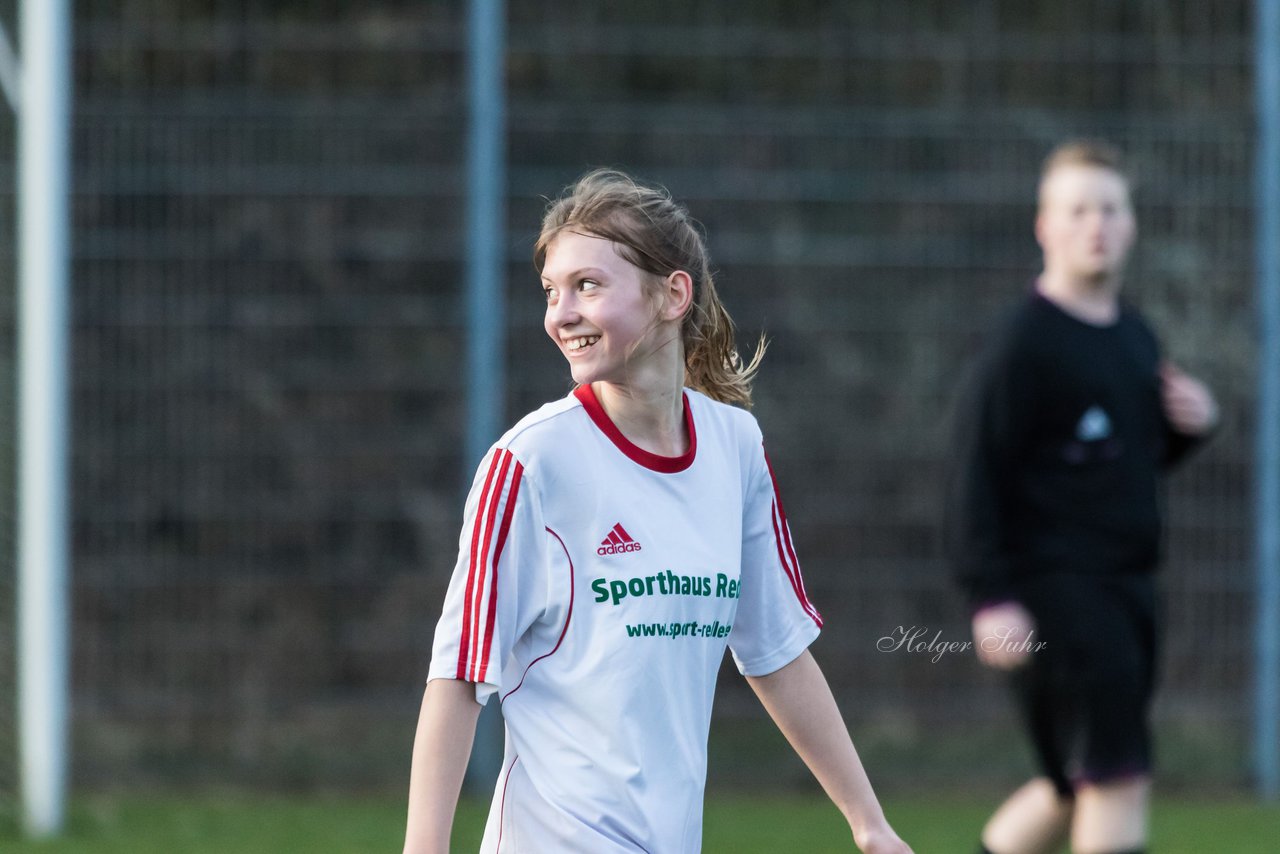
596,589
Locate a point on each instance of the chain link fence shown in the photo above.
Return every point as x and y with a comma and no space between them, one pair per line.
268,336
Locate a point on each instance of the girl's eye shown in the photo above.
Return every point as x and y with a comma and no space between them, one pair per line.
549,293
588,284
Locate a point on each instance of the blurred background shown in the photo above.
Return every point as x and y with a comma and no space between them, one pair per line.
268,343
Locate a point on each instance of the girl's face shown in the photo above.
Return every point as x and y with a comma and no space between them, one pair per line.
601,311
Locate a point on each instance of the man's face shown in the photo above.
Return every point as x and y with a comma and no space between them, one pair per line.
1085,225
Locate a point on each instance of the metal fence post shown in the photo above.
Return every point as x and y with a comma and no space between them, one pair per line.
43,518
485,297
1266,747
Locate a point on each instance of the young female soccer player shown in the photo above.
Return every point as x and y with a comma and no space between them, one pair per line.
615,542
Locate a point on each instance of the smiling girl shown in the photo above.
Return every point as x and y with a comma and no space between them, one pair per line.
616,541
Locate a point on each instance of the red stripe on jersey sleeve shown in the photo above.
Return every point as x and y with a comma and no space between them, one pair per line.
792,569
497,556
795,563
782,555
464,644
482,574
782,535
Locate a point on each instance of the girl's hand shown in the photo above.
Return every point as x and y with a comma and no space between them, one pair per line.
881,840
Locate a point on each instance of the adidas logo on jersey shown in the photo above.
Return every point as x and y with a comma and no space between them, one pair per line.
617,542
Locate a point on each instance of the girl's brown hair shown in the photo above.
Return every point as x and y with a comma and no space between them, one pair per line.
656,234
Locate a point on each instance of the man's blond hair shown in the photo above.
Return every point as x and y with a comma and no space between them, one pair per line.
1083,152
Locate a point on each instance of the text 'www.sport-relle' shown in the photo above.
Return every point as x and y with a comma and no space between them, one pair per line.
714,629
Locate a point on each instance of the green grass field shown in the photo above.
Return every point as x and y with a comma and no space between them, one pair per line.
243,824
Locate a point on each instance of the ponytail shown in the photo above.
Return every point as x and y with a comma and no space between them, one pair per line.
712,364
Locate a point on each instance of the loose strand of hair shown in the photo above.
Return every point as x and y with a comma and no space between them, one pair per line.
713,365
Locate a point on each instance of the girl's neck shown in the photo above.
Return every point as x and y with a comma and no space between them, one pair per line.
650,415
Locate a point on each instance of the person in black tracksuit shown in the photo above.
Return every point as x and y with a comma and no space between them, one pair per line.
1054,521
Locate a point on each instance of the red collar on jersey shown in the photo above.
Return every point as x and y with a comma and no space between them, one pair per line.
657,462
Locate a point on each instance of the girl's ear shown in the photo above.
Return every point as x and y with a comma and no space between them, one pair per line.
677,295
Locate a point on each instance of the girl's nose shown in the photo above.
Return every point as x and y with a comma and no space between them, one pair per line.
563,311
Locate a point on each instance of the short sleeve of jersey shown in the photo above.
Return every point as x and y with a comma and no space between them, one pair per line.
775,621
498,588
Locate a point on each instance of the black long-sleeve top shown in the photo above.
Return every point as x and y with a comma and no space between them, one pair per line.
1059,444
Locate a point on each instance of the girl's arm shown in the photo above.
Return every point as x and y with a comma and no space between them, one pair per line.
800,702
441,748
